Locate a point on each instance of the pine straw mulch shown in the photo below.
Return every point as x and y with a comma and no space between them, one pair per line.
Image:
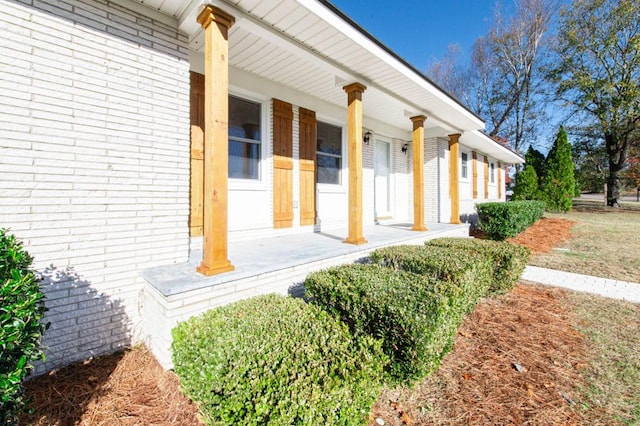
477,383
516,360
128,388
544,235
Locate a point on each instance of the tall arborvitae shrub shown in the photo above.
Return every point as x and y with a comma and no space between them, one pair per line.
558,181
526,184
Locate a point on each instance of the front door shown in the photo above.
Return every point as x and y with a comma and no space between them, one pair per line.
382,175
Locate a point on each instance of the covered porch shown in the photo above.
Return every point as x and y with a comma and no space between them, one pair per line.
277,264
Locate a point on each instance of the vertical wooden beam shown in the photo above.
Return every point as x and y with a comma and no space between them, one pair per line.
196,188
474,171
418,173
307,138
216,24
454,177
282,164
354,141
499,180
486,176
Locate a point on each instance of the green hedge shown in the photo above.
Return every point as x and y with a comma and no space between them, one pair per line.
415,321
277,360
509,260
21,310
463,277
503,220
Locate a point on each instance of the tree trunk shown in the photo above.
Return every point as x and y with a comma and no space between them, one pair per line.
613,189
616,153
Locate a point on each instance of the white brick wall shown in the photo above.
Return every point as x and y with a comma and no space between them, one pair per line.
94,160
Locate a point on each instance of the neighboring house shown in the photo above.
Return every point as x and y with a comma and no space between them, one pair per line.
133,132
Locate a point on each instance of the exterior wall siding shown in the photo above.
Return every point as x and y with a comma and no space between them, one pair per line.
402,188
94,171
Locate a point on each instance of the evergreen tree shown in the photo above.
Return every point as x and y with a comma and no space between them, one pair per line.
535,158
526,184
558,181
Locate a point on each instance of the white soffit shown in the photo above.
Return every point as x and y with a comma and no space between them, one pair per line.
482,143
305,45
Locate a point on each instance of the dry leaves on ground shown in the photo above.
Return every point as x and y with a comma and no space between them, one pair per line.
128,388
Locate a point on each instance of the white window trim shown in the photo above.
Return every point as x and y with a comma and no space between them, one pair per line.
262,183
340,188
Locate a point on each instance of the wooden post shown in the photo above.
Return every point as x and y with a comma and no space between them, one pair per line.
418,173
216,24
474,167
499,180
454,172
486,177
354,141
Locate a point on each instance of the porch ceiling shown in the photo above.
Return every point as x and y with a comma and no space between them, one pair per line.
307,45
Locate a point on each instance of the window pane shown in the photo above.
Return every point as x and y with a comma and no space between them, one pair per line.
464,164
244,118
244,160
329,139
329,156
329,169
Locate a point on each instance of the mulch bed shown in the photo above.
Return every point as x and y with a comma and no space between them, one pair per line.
544,235
478,382
128,388
516,360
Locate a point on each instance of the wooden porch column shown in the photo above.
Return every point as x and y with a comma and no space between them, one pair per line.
354,142
499,180
418,173
486,176
474,168
216,24
454,176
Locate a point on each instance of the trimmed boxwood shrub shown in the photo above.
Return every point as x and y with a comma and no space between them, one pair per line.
504,220
509,260
463,277
414,320
21,310
276,360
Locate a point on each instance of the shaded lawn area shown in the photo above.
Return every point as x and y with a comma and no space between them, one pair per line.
604,243
577,361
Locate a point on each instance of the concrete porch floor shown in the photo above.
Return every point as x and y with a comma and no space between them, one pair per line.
261,256
270,265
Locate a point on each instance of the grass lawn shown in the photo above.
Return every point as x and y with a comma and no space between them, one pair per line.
612,382
604,243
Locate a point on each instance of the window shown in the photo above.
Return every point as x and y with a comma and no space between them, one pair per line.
329,153
492,173
244,138
463,169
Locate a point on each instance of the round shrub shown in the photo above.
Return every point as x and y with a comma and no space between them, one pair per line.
276,360
21,310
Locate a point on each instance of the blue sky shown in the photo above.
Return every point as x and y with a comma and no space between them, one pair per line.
421,30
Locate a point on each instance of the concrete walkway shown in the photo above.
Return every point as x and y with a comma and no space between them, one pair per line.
613,289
